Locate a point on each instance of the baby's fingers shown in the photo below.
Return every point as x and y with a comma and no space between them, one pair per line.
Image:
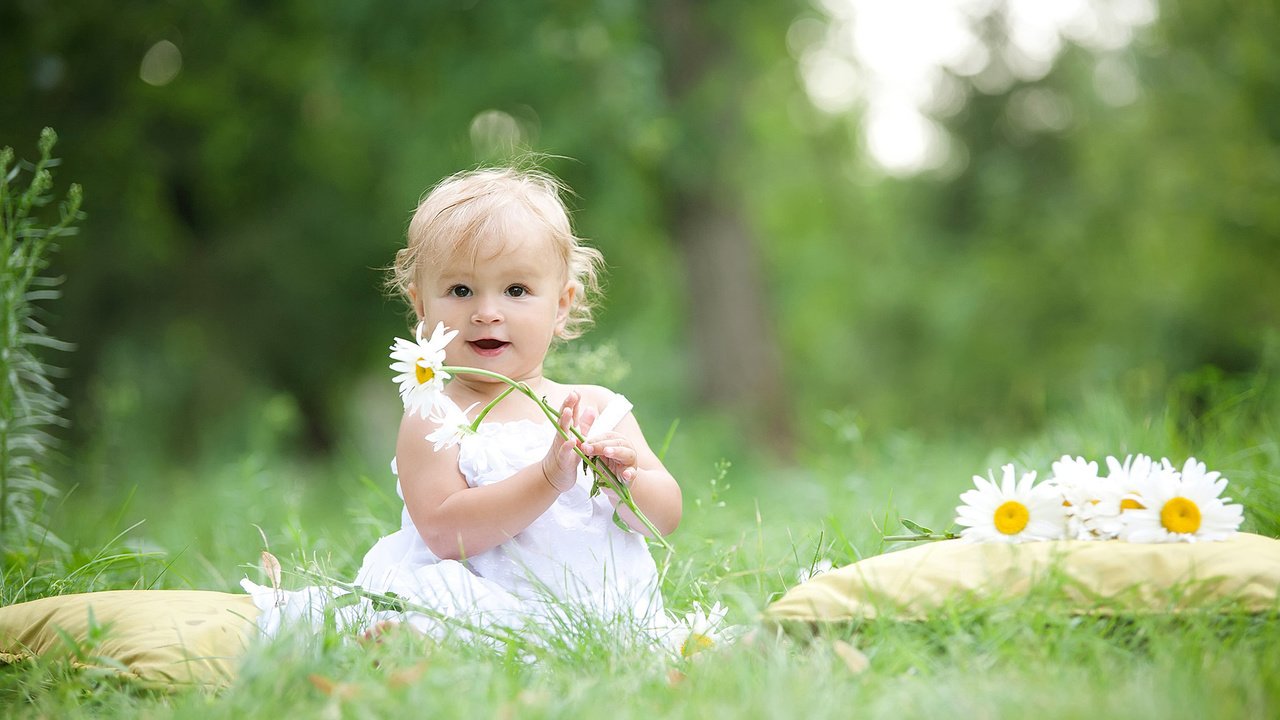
625,475
569,411
566,455
587,419
560,466
615,449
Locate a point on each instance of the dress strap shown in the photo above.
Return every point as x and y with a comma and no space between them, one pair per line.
612,414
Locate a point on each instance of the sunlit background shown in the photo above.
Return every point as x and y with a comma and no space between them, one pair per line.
903,64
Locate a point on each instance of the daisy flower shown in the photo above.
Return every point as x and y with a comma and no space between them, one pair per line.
420,366
1100,518
1181,507
1126,478
454,425
1077,480
704,629
1013,511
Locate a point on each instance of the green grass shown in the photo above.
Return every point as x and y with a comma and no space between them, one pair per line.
748,529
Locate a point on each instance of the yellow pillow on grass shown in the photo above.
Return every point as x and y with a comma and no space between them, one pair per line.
159,638
1237,575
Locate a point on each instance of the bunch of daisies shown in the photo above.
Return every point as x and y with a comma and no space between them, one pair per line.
1138,500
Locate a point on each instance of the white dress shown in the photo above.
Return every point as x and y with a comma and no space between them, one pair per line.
571,562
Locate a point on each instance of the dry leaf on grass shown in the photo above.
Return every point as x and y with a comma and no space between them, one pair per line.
407,676
852,657
271,566
337,690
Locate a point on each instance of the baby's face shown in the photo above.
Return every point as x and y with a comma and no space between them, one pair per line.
507,300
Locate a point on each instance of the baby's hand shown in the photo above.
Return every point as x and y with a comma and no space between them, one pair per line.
560,466
616,451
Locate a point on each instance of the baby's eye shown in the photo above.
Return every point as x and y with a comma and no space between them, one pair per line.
517,291
460,291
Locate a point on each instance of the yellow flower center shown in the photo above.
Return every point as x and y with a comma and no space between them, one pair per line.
1012,517
697,642
424,373
1131,504
1180,515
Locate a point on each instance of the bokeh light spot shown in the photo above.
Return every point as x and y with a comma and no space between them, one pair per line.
161,64
495,133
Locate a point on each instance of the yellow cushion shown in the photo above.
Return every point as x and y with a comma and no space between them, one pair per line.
1241,574
156,637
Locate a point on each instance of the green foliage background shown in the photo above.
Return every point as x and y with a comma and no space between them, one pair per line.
225,299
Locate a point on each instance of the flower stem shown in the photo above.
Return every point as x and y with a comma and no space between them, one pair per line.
922,537
480,418
600,469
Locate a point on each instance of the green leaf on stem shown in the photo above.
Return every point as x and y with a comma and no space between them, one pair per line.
916,527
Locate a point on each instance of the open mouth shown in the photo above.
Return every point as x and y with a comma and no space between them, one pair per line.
488,345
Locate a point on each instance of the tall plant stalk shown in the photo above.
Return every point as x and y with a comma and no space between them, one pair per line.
30,405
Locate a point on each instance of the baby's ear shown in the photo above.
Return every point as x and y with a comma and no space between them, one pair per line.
564,306
416,300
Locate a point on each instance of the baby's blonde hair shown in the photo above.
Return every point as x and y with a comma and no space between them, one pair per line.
464,209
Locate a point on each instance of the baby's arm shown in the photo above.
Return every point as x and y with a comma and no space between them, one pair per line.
654,490
456,520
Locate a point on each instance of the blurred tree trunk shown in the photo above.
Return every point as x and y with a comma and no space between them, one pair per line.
737,360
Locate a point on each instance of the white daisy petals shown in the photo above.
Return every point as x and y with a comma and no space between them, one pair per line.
1138,501
420,369
1013,511
702,630
1182,506
454,425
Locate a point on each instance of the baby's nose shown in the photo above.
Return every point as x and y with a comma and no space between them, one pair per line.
487,312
